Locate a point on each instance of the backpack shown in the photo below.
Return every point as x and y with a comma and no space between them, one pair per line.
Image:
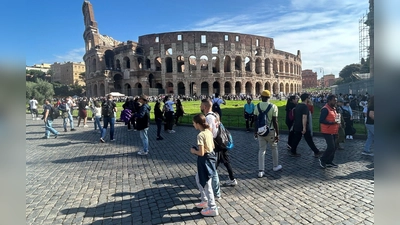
62,107
346,114
224,139
126,115
291,114
107,109
215,107
262,121
54,112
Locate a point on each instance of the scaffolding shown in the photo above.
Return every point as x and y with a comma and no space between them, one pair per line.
363,38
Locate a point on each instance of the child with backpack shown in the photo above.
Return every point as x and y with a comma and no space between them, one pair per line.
205,165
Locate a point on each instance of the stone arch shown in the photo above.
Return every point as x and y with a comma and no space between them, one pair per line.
257,52
109,59
259,88
192,63
169,87
180,64
267,86
151,80
102,90
238,87
281,86
291,68
274,66
127,62
204,88
139,88
275,87
291,88
280,66
248,88
117,82
181,88
168,51
203,62
267,64
118,64
140,63
287,88
214,50
95,94
227,64
93,66
228,88
157,63
247,62
148,63
216,87
159,86
215,64
139,50
168,64
238,63
286,67
128,89
258,66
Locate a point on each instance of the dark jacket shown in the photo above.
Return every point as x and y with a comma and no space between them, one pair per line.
158,114
206,167
143,117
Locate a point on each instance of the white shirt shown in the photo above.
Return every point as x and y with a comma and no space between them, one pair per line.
211,120
33,103
170,105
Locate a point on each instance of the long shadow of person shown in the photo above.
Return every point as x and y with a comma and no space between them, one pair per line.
149,206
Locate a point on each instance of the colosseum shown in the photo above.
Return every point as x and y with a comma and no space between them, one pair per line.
186,63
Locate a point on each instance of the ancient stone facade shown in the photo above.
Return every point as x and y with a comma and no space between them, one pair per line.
68,73
309,79
186,63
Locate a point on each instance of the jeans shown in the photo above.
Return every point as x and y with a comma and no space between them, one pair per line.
108,120
215,184
297,138
145,139
262,144
49,128
71,121
329,154
97,123
370,137
206,192
159,123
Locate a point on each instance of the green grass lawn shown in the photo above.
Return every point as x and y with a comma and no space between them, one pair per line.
232,114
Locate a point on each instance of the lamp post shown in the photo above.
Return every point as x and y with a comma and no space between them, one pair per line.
190,84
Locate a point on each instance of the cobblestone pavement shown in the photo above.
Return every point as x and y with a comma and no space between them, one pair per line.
75,179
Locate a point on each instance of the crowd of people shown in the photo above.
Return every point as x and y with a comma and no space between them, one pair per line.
335,120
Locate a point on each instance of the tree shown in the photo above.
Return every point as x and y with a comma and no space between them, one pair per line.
41,90
347,71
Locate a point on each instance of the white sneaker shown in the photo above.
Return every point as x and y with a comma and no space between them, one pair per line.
85,125
261,174
351,137
142,153
367,153
278,167
231,182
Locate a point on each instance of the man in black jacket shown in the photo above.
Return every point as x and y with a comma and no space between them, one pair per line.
142,123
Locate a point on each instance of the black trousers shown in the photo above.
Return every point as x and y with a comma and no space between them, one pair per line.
297,135
223,156
329,154
291,133
169,117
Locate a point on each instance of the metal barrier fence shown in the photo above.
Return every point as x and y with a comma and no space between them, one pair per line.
355,88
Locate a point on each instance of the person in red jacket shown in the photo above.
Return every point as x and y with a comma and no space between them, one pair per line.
330,121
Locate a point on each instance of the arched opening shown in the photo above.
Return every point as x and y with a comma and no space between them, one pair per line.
238,63
291,88
138,87
95,94
214,50
204,88
93,66
139,50
247,62
227,64
148,65
216,87
180,64
204,62
117,82
248,88
281,87
291,68
168,64
109,59
286,67
286,88
215,64
275,87
181,88
267,64
274,66
102,90
151,80
192,63
140,63
258,88
238,87
157,63
267,86
227,88
168,51
118,65
127,63
257,52
280,66
159,86
128,90
258,66
170,87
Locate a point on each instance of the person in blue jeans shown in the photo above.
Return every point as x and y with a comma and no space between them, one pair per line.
109,108
48,120
158,116
143,122
96,109
369,124
65,108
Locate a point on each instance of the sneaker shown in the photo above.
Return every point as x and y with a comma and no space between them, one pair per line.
85,125
65,130
102,140
171,131
347,137
260,174
333,165
322,164
231,182
73,129
142,153
319,154
276,168
217,198
367,153
295,154
45,137
351,137
112,139
209,212
202,205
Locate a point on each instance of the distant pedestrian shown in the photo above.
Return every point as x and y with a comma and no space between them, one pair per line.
330,121
216,104
249,114
109,108
205,166
143,123
169,114
179,111
96,109
33,103
369,124
82,111
158,117
48,120
290,107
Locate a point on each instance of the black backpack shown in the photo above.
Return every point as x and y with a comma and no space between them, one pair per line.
215,107
262,121
54,112
107,109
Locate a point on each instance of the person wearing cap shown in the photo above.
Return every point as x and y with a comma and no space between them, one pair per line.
143,122
273,136
248,114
